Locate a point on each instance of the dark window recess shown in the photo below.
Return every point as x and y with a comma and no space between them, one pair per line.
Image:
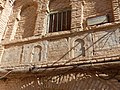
60,21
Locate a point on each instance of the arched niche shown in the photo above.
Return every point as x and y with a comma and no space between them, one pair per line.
79,49
37,53
27,20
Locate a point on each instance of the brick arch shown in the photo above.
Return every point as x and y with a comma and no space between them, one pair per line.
26,24
58,4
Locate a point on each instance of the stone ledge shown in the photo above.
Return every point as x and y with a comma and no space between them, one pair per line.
71,62
61,34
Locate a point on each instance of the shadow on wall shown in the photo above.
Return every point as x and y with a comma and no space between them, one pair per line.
73,81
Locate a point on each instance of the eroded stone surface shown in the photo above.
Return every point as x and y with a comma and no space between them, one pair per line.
24,26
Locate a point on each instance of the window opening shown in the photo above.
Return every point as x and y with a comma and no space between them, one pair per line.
98,20
60,21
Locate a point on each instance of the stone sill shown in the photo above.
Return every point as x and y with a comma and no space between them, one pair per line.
62,34
97,63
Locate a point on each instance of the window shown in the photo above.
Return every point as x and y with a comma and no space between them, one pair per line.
97,20
60,21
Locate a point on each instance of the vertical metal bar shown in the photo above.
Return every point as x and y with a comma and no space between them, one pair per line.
61,21
66,19
53,22
57,23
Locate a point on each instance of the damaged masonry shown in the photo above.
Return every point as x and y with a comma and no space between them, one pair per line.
59,44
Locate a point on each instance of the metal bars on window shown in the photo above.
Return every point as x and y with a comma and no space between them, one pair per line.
60,21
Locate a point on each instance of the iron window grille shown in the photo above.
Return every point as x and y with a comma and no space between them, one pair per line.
60,21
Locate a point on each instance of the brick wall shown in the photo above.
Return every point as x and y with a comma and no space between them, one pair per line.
22,23
26,24
56,49
80,12
89,8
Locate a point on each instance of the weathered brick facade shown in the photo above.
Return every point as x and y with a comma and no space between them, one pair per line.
84,57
